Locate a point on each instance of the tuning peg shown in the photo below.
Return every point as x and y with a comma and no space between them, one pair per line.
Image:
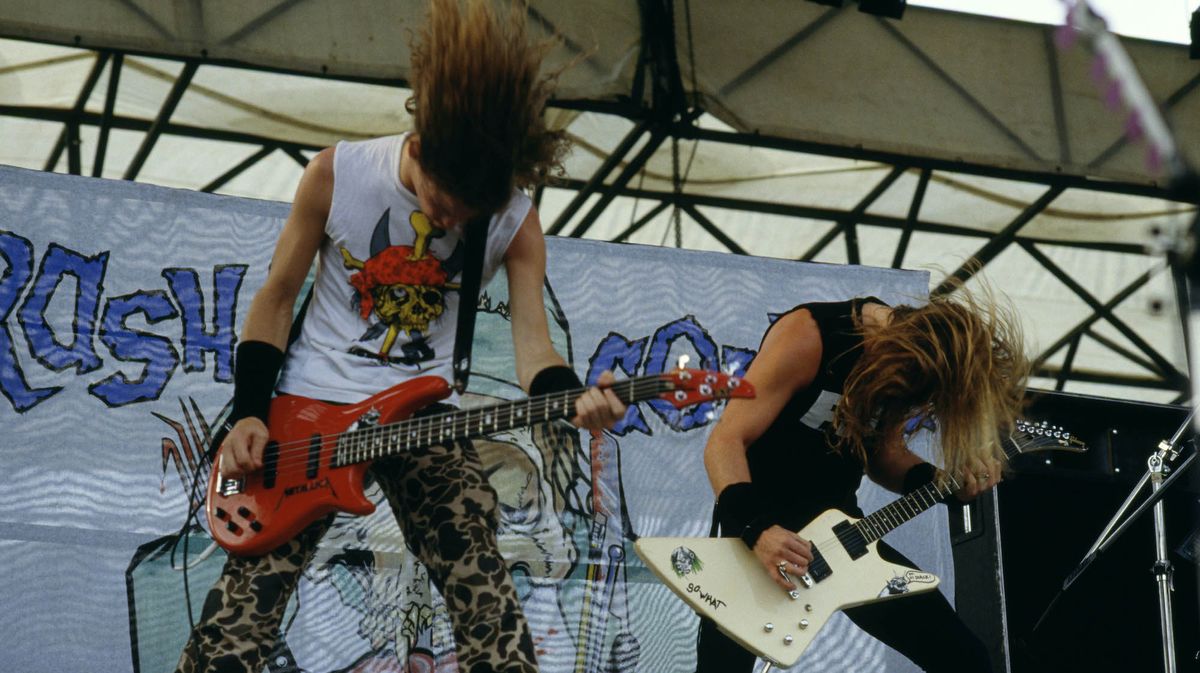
681,362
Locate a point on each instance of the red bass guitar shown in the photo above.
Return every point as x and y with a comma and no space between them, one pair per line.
317,453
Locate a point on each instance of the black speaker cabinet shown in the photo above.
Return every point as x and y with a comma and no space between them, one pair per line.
1015,547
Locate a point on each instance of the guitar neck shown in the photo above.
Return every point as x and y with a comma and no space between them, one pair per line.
380,441
887,518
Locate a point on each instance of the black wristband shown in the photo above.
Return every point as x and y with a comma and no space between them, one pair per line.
919,475
554,379
741,512
255,370
754,530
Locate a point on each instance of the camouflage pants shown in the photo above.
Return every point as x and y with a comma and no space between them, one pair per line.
448,513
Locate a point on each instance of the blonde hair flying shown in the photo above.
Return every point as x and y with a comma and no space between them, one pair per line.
959,358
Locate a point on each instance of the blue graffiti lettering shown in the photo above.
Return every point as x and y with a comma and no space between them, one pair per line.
197,338
62,323
737,360
653,355
617,353
18,255
156,353
57,263
657,362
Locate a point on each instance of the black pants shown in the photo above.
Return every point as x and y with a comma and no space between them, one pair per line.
922,627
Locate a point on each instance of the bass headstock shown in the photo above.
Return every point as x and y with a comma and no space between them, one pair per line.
685,387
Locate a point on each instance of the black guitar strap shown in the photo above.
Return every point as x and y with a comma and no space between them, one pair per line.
468,299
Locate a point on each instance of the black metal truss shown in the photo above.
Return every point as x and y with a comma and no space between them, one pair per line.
653,127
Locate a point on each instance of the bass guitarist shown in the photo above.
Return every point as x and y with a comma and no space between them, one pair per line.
384,219
836,384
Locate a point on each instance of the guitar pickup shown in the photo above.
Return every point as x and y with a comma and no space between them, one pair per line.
819,568
230,487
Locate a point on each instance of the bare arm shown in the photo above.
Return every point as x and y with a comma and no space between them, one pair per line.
525,263
786,364
891,460
270,316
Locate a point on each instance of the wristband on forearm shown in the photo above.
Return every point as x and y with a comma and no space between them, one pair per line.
256,368
919,475
554,379
741,512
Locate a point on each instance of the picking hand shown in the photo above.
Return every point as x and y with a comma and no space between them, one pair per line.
779,550
242,450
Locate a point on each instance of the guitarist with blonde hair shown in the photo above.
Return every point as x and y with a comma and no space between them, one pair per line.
384,218
836,384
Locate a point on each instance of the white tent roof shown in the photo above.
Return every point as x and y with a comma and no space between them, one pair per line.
982,103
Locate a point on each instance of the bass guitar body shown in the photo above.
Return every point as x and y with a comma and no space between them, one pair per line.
301,479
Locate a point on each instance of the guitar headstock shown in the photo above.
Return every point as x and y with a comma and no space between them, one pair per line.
1032,436
686,387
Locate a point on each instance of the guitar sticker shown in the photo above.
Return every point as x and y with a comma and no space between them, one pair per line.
685,562
900,584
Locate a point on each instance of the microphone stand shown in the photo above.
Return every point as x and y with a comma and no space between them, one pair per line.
1157,467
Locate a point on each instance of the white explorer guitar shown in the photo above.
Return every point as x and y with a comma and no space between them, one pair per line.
721,579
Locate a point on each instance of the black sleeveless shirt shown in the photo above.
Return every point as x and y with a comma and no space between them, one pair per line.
794,464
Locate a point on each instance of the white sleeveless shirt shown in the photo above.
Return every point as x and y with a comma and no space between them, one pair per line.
385,298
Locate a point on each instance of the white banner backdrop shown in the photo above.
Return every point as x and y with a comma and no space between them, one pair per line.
119,310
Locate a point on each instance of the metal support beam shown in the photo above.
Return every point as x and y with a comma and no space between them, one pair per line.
1123,352
1108,379
85,92
110,102
641,222
1068,362
910,222
777,53
1056,95
74,163
297,156
1183,308
610,162
162,120
1162,366
861,154
141,125
238,169
959,89
1086,324
823,241
1001,240
708,225
657,136
147,19
847,223
259,21
833,215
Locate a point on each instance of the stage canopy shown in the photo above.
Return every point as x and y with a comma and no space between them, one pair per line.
776,128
